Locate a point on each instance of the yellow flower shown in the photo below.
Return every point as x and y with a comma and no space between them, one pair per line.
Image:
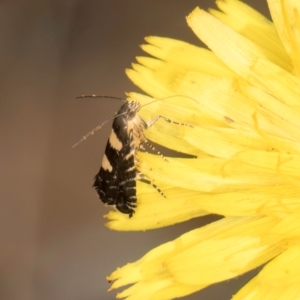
243,99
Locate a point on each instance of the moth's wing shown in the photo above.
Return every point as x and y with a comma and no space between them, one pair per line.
115,182
107,180
127,197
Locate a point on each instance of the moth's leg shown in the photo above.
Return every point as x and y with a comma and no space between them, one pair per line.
146,142
142,177
155,119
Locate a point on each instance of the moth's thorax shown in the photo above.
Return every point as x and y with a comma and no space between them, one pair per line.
134,125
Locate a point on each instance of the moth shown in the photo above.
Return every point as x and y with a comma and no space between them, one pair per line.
115,182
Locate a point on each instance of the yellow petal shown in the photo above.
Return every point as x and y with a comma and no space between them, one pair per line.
236,51
286,18
193,260
154,211
187,56
252,25
246,58
279,279
242,103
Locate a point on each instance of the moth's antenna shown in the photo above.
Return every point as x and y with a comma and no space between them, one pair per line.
168,98
122,99
101,96
96,129
101,125
115,116
90,133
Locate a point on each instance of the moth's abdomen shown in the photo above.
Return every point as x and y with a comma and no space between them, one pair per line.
123,196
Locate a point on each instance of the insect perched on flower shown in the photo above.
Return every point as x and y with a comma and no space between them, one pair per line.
115,182
246,139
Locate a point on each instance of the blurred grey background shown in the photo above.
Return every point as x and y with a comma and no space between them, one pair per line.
53,241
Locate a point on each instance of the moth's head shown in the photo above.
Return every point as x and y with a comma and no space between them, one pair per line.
132,108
